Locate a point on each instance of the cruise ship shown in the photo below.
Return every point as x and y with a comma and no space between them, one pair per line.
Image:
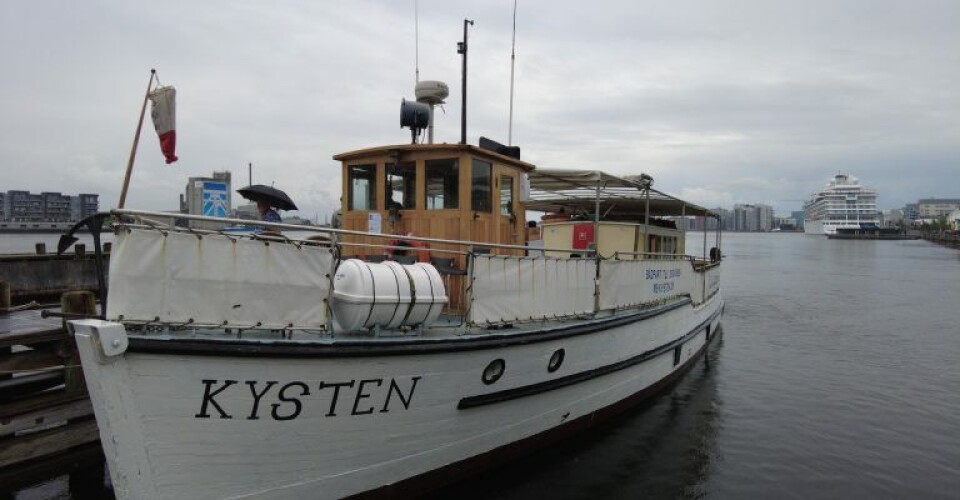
843,203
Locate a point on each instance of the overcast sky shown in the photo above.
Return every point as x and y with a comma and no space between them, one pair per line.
722,102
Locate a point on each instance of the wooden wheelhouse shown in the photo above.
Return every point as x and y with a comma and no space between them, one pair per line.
440,191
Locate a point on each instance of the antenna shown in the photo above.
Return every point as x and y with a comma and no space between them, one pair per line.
513,59
416,38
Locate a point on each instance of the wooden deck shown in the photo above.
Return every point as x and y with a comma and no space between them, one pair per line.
47,427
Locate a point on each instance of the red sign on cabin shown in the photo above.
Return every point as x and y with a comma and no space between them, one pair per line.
582,236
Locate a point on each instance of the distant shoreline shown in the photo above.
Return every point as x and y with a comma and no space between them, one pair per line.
38,227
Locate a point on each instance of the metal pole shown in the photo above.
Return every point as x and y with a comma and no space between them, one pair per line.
513,60
462,49
646,220
136,140
683,230
596,221
250,173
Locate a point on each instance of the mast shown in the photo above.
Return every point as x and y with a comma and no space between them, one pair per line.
462,49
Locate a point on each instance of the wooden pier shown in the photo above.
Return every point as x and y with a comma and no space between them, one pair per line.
47,428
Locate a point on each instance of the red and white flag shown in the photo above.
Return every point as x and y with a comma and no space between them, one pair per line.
164,113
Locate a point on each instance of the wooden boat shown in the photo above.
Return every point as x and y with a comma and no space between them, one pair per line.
437,331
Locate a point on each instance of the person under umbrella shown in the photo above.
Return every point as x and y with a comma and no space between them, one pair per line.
267,198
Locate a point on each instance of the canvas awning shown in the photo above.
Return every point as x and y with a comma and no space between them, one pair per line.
576,191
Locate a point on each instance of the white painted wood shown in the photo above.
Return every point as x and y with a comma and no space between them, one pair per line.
161,443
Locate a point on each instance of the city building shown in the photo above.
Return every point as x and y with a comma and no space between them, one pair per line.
56,207
931,208
798,217
84,205
23,206
911,212
892,218
749,217
209,196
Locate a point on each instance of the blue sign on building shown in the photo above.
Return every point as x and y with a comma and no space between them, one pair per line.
215,199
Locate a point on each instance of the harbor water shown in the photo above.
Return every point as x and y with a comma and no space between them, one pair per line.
836,376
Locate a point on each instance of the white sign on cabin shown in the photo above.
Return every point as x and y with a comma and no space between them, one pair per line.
373,223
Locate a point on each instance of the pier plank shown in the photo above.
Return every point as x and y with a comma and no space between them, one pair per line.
60,413
30,360
27,384
48,442
47,399
30,337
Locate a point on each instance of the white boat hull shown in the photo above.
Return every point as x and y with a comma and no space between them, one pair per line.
188,425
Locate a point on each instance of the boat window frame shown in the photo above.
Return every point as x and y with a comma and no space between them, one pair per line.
406,173
370,189
478,201
449,183
506,209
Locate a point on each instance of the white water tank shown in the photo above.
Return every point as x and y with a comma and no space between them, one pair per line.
387,294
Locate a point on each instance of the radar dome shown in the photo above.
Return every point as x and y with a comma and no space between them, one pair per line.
431,92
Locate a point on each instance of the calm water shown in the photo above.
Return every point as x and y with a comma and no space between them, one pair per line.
837,376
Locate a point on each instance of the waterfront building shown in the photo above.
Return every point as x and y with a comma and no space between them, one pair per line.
797,217
56,207
750,217
932,208
84,205
891,218
784,223
911,212
209,196
843,203
23,206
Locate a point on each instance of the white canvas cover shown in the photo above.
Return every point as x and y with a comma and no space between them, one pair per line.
625,283
522,288
217,280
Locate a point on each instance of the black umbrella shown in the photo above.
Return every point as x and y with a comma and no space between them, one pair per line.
273,196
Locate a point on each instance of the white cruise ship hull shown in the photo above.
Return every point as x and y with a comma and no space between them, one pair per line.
830,228
216,419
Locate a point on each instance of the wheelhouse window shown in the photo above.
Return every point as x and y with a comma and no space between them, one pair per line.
506,195
361,179
480,192
443,184
401,186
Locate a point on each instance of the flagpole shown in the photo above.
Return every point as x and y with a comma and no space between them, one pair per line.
136,140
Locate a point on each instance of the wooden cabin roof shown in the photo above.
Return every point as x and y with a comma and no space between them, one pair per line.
454,149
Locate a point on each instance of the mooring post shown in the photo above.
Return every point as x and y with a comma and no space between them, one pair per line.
75,303
4,297
41,248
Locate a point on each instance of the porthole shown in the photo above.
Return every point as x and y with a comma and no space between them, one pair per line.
493,371
556,360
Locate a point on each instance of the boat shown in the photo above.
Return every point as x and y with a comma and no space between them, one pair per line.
441,329
842,204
